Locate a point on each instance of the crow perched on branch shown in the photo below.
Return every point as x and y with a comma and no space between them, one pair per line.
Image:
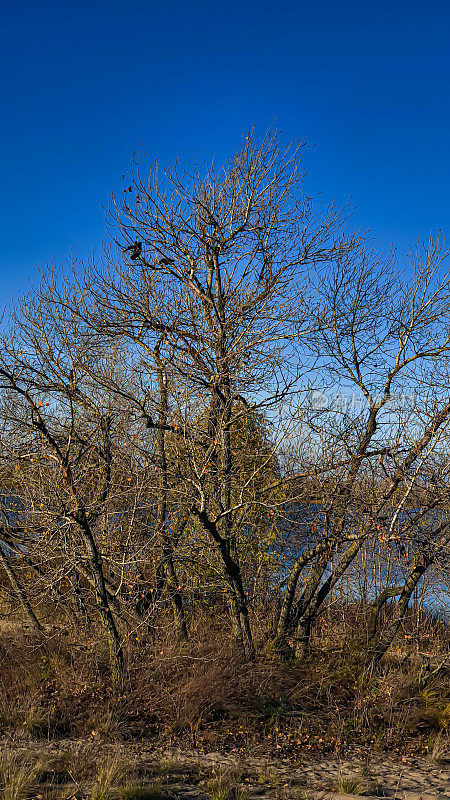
164,262
134,249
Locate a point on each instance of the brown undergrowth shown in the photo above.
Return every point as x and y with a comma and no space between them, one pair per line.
202,694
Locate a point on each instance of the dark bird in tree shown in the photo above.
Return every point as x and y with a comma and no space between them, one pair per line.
134,249
165,261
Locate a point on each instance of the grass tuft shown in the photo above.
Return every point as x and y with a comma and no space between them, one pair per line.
17,775
110,776
136,791
226,786
350,784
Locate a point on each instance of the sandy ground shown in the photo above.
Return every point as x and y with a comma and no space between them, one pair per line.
187,774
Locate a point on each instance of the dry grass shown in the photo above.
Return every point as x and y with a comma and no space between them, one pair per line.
226,786
350,784
111,774
18,774
439,747
201,696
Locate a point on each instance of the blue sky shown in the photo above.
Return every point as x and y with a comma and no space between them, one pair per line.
85,84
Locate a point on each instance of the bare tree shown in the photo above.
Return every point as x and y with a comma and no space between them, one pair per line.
158,425
59,434
375,336
214,266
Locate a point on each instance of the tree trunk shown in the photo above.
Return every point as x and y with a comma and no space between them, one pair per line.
303,636
19,591
99,584
237,600
393,625
303,618
237,603
105,614
423,562
170,575
284,619
315,597
377,605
